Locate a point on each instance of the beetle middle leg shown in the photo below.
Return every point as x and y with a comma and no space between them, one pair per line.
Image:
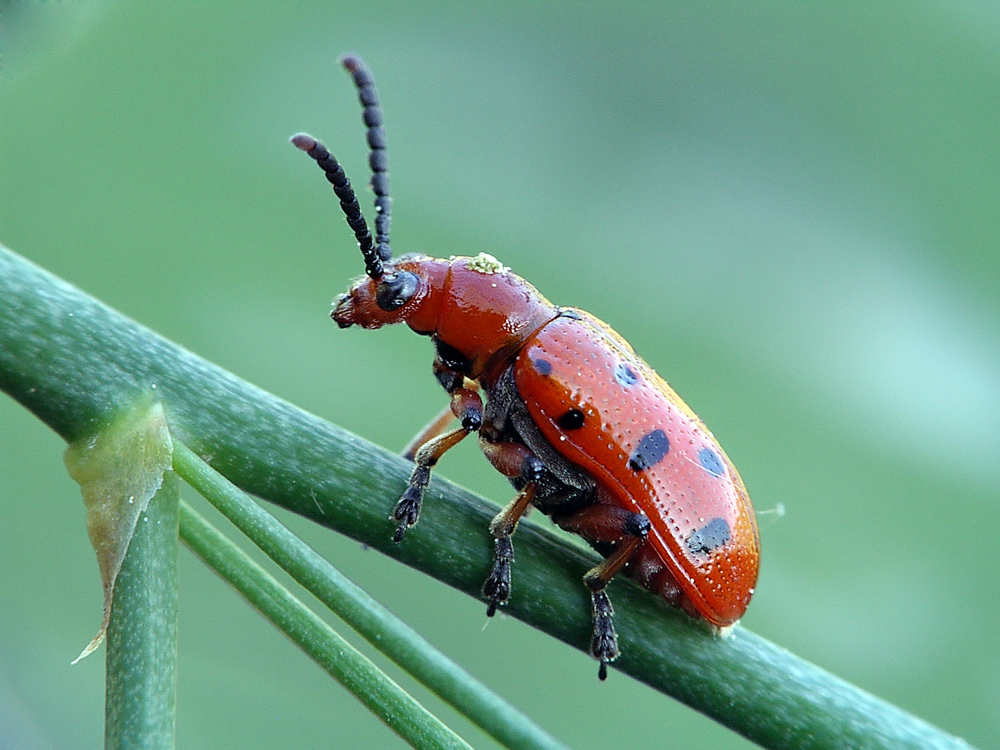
606,523
467,406
516,461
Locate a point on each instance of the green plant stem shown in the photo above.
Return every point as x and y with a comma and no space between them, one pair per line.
73,361
374,622
142,634
352,669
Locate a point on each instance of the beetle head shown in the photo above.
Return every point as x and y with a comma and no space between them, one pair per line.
474,305
408,290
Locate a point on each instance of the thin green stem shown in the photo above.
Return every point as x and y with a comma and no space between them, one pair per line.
74,362
375,623
352,669
142,635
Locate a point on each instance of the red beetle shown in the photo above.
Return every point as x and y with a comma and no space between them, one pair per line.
584,429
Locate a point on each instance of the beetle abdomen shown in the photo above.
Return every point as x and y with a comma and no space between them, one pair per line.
607,412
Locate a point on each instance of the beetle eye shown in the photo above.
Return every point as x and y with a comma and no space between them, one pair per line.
395,290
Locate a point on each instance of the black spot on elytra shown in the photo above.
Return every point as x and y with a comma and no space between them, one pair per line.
625,375
711,536
542,366
571,420
711,462
650,451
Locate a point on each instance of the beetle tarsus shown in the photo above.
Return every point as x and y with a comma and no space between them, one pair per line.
407,510
497,586
604,645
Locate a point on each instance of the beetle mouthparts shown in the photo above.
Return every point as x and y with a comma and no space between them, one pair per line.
343,311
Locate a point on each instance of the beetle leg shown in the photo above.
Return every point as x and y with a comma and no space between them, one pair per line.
453,383
435,427
604,645
607,523
496,588
505,457
468,407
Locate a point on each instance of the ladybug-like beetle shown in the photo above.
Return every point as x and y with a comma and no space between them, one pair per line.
584,429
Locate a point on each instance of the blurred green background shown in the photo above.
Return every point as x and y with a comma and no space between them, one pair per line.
791,210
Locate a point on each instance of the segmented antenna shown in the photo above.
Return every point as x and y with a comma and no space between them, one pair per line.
378,159
348,200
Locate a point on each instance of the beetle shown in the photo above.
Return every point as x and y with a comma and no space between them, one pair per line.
582,427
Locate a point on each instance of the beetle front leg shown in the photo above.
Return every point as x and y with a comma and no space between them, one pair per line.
467,405
452,382
435,427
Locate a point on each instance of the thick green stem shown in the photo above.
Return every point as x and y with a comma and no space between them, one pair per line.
142,635
73,362
374,622
341,660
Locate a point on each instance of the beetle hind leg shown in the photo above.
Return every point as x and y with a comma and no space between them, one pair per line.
627,530
604,645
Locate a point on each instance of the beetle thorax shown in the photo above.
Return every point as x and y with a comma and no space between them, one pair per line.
488,312
474,305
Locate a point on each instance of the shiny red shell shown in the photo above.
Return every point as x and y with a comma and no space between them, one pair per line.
702,524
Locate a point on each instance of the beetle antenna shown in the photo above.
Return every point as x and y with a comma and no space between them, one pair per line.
348,200
378,158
